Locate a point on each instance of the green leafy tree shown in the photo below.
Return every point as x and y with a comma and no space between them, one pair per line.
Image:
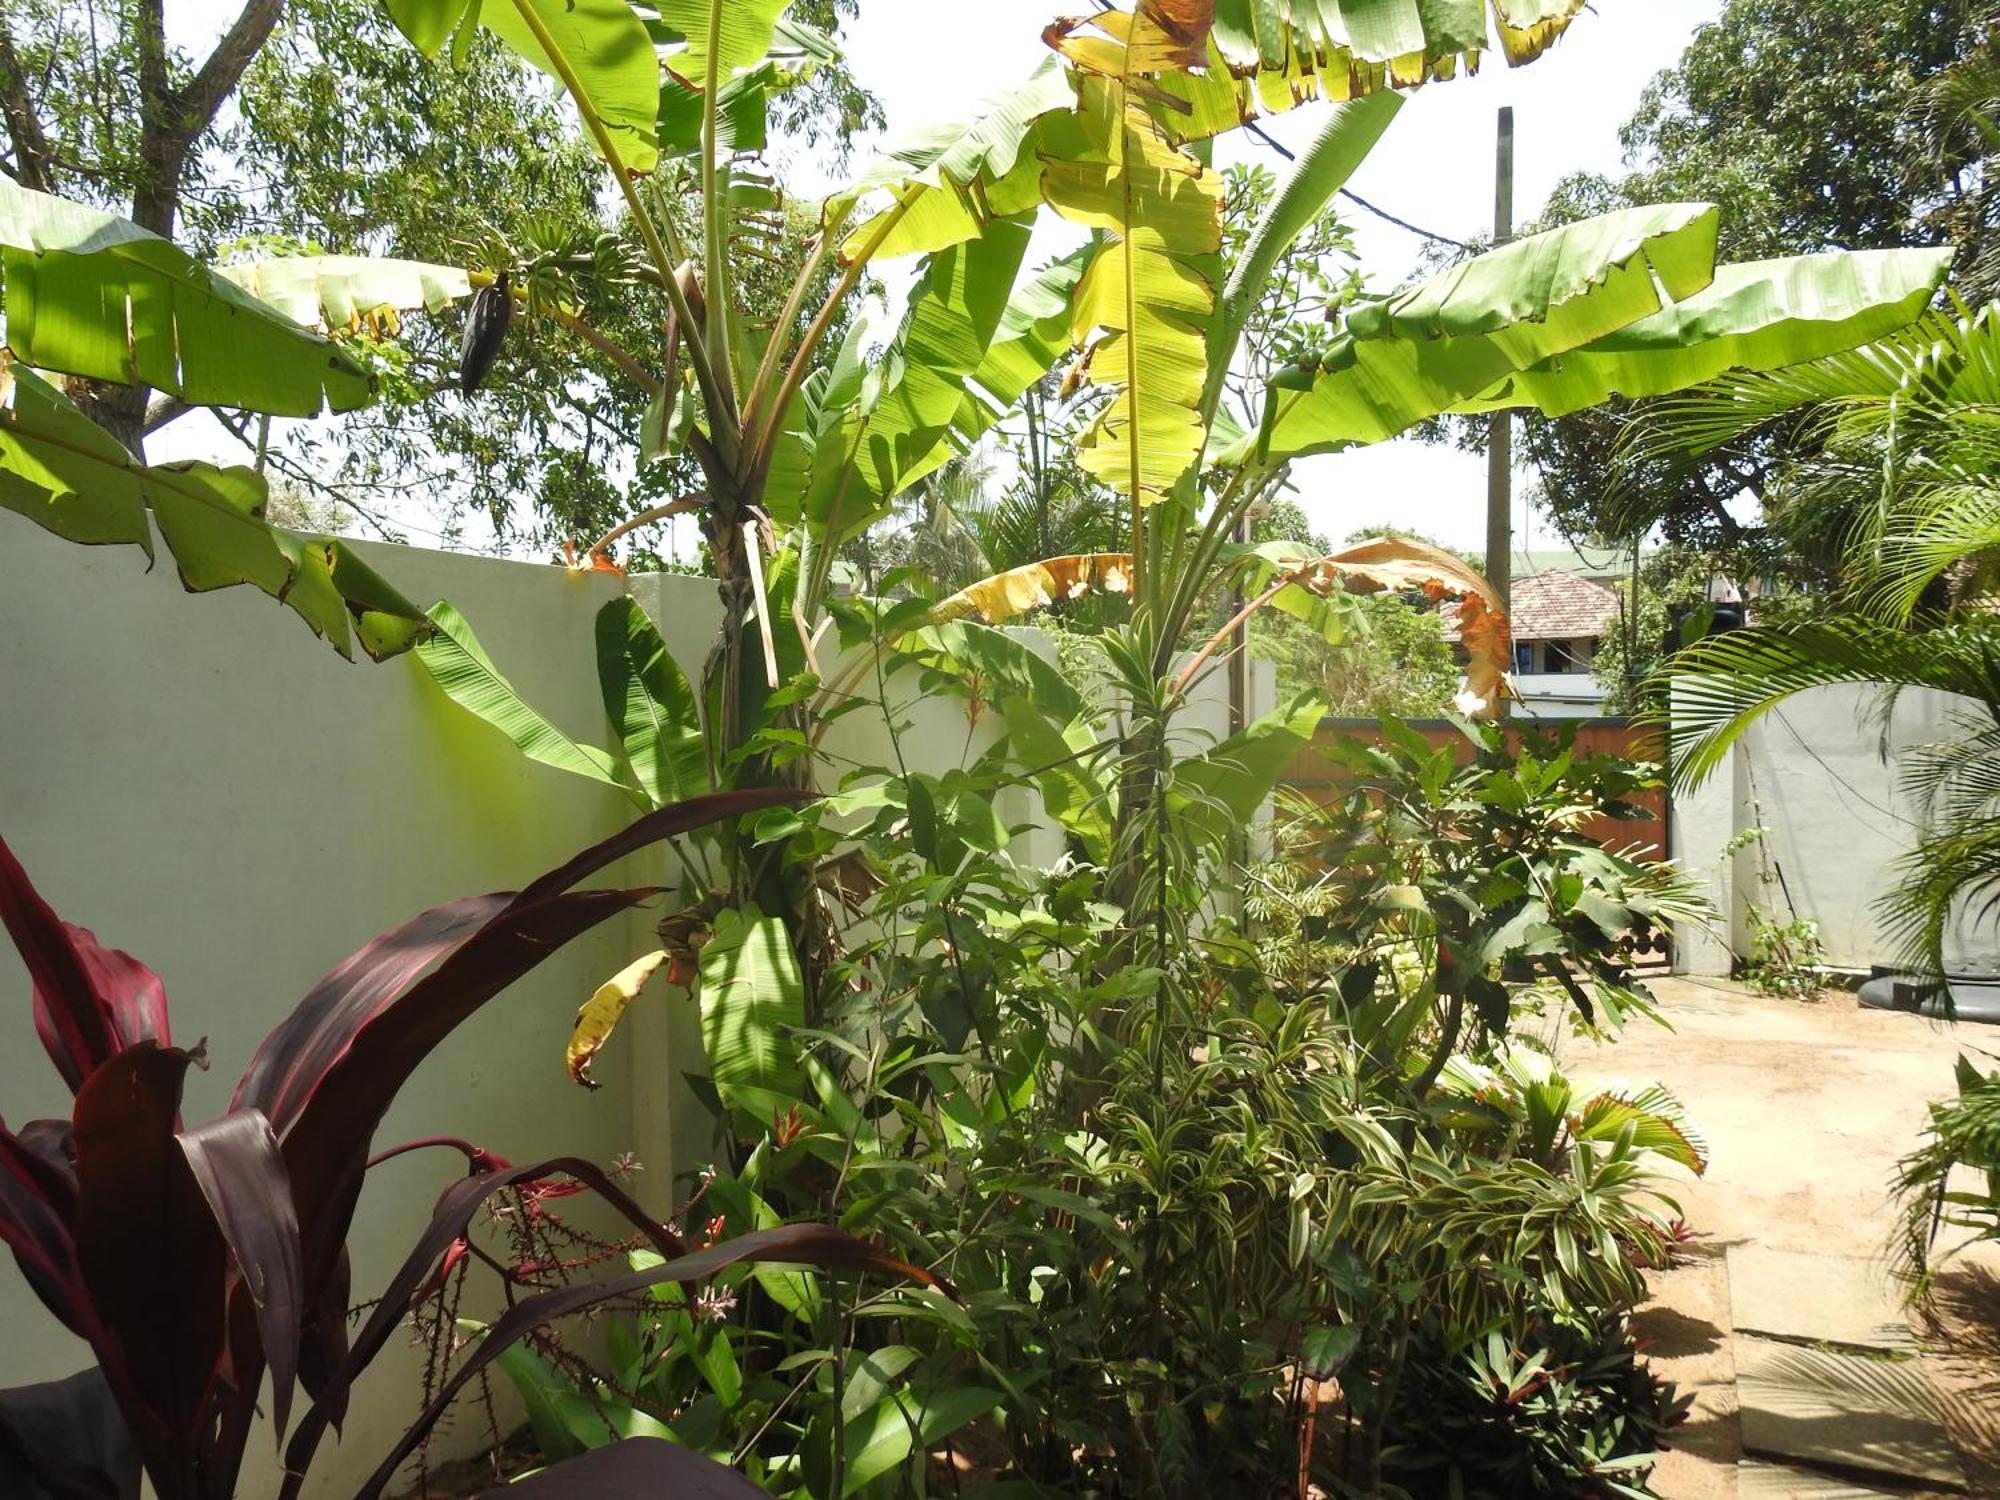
338,138
1814,126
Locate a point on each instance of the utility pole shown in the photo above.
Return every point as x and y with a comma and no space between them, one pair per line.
1500,424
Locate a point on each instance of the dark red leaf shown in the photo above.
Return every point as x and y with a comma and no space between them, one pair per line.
792,1244
642,1466
327,1146
666,822
236,1164
324,1350
35,1225
151,1255
51,1145
132,992
300,1049
340,1074
66,1440
73,1020
455,1208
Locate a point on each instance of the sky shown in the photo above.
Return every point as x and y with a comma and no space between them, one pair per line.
930,60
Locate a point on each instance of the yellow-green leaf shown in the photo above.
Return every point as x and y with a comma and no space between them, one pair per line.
600,1014
91,294
69,476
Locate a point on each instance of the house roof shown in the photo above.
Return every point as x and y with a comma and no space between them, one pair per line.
1553,606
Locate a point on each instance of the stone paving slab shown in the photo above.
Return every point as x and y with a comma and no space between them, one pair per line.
1843,1411
1815,1299
1755,1481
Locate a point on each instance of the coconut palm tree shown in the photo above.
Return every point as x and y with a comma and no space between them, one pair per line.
1905,471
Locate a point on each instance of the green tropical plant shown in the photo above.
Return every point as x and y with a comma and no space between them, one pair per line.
1579,1415
1961,1141
992,1089
1906,475
1447,879
1519,1104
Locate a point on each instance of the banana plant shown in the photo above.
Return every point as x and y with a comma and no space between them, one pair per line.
94,298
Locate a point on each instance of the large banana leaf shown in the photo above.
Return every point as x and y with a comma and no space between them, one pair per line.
1760,315
722,37
601,44
1141,307
1268,56
650,704
1420,351
345,291
1626,303
1032,586
951,179
752,1000
1359,46
94,295
460,666
68,475
971,341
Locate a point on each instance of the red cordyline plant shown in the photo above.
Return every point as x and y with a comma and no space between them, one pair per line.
194,1260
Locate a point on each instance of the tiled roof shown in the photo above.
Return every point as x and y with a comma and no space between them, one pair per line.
1553,607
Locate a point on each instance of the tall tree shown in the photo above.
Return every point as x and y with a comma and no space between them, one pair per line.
104,108
1803,121
339,138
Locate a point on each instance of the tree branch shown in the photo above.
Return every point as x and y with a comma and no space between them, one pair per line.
217,80
31,147
164,409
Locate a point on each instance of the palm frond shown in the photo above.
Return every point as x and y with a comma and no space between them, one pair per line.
1952,874
1962,1133
1954,359
1723,685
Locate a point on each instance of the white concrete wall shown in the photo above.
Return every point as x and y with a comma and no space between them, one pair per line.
202,782
1814,772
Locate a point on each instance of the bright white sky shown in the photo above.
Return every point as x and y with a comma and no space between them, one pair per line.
929,60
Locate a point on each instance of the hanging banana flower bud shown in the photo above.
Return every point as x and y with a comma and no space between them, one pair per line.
485,328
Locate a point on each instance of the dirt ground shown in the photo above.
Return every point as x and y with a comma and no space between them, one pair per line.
1805,1107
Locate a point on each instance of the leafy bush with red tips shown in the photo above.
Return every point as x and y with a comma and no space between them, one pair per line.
194,1260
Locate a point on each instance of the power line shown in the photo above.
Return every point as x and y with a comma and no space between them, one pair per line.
1381,213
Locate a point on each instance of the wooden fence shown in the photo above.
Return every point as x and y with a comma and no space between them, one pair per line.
1315,774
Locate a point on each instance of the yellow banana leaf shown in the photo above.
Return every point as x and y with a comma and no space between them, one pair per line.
600,1014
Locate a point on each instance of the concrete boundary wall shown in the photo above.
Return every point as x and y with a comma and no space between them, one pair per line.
202,782
1820,773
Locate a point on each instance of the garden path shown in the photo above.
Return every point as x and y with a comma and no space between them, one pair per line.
1805,1108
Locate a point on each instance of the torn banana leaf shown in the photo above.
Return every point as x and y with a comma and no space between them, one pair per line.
600,1014
93,295
69,476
